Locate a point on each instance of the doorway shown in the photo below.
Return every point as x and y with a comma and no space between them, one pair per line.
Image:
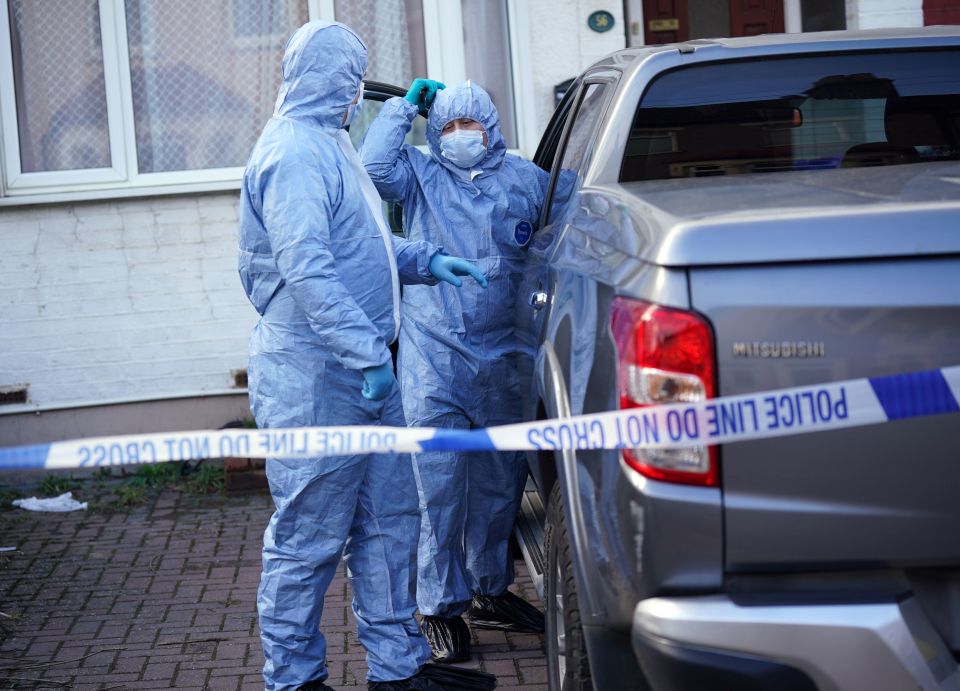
670,21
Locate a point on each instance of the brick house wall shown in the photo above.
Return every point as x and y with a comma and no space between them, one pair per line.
875,14
121,301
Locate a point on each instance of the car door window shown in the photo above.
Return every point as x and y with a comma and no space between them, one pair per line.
567,176
547,149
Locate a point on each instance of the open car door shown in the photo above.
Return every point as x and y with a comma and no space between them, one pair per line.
374,95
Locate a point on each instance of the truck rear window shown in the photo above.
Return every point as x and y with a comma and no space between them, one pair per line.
800,113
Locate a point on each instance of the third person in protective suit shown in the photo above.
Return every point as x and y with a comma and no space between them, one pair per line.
459,362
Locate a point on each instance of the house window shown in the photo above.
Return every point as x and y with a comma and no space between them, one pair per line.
823,15
61,101
393,32
113,93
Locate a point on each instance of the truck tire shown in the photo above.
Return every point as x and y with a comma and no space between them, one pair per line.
568,668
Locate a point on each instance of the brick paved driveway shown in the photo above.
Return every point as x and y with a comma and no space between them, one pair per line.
163,597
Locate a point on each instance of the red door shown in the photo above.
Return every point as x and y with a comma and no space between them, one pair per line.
752,17
665,21
941,12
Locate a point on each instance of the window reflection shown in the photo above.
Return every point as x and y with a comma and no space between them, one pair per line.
60,90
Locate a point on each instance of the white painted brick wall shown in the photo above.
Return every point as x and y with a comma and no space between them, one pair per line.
562,45
876,14
121,300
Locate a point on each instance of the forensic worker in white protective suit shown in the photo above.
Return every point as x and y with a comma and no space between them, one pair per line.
460,361
321,268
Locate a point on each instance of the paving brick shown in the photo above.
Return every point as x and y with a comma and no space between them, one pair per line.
159,670
82,627
85,685
500,667
44,648
230,683
131,664
183,617
101,656
99,677
191,678
249,669
70,651
142,634
534,675
231,651
58,625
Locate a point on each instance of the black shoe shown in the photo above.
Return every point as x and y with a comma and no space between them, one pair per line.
449,638
439,678
314,686
506,612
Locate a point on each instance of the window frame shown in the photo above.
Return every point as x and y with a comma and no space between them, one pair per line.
15,179
123,177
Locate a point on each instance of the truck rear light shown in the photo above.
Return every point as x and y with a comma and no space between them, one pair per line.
665,355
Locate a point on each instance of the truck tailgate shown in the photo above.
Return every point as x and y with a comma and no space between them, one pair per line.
884,494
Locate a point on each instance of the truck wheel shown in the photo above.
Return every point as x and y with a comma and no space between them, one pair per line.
568,668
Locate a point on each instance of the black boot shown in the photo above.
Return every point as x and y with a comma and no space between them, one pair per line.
314,686
449,638
439,678
506,612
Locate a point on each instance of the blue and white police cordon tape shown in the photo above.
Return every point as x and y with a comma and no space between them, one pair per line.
797,410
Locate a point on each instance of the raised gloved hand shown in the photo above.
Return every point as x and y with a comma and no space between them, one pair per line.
447,269
422,92
378,381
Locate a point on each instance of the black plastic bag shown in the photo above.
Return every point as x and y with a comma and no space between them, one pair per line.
433,677
449,638
506,612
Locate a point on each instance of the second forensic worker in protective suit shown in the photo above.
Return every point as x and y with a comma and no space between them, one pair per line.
459,361
322,269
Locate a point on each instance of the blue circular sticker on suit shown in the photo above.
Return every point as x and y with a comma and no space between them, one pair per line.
522,232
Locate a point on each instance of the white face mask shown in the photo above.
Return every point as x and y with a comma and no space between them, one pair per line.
463,148
354,108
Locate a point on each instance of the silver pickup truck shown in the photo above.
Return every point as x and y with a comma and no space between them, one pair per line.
750,214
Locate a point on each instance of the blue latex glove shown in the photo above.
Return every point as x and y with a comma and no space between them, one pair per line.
447,269
378,381
422,92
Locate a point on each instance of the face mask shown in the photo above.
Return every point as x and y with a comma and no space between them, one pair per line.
463,148
354,108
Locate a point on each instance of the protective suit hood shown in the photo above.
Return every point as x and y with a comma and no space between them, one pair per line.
314,87
466,100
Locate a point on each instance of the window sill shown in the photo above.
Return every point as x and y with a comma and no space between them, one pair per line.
37,409
35,198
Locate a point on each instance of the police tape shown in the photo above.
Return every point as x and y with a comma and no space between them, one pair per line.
781,412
